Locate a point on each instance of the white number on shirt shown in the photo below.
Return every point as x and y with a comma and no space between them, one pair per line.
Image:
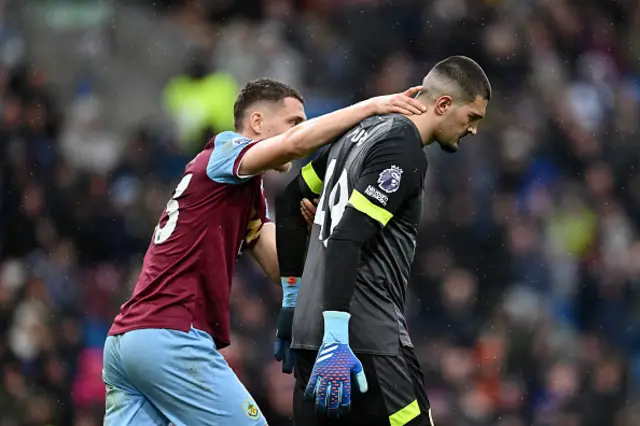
163,233
336,203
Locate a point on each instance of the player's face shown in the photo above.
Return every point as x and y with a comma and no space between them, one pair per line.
460,121
282,117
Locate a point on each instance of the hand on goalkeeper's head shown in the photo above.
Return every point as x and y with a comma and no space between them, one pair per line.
398,103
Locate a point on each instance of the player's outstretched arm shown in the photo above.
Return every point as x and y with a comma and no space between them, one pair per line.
305,138
392,174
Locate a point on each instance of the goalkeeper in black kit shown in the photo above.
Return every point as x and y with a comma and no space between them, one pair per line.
349,286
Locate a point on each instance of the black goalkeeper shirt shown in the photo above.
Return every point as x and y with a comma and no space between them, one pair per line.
373,174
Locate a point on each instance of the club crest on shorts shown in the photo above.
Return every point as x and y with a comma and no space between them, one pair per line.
389,179
251,409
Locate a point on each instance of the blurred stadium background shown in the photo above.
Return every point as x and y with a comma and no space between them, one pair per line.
525,296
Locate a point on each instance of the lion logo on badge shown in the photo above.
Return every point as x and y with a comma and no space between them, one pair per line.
389,179
251,409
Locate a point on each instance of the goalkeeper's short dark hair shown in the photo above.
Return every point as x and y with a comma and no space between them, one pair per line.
464,73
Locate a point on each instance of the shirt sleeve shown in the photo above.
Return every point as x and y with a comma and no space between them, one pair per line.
392,174
224,162
291,228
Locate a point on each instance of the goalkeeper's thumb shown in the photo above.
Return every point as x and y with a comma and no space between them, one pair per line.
359,377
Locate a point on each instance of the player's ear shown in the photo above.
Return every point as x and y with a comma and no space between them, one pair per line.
256,121
443,103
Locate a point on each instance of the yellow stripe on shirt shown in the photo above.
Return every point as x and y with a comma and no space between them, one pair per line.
312,179
364,205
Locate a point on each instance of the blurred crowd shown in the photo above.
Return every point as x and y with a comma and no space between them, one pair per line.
525,294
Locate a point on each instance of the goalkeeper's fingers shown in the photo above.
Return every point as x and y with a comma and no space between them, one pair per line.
359,377
310,391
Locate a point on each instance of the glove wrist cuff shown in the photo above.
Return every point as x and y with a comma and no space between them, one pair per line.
336,327
290,288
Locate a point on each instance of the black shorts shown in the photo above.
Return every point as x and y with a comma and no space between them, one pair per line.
396,394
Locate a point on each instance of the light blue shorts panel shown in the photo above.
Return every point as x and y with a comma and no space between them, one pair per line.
159,377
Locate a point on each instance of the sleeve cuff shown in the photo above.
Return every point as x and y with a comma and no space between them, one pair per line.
290,288
336,327
238,161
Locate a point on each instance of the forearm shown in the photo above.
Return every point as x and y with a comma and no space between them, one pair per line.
291,230
265,252
343,255
311,135
303,139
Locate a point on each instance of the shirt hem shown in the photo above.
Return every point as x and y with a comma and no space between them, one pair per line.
354,349
114,331
220,343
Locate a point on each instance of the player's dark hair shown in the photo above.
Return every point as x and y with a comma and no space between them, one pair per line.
467,75
261,90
